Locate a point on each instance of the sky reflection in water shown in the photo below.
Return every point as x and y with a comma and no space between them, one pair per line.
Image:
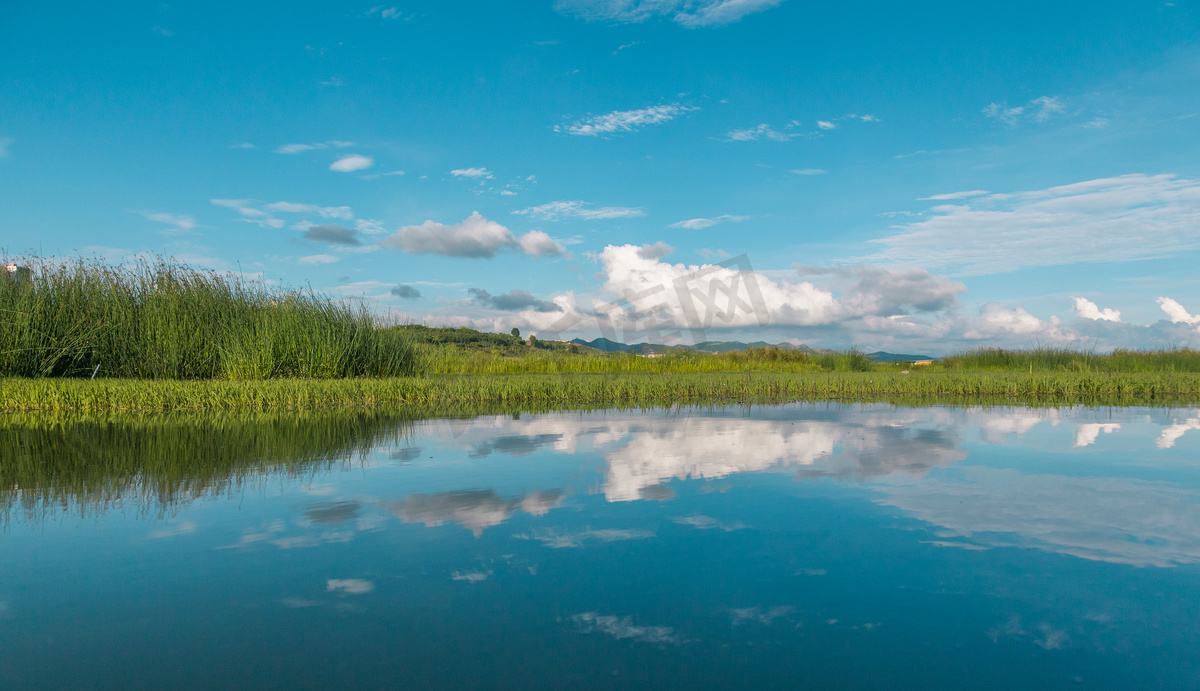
825,545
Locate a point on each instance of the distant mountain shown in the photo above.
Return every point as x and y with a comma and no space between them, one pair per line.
610,346
881,356
730,346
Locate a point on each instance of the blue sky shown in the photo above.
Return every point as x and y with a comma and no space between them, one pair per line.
923,177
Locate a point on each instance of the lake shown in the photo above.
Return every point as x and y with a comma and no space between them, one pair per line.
807,545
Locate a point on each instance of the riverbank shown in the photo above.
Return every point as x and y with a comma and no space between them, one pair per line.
441,391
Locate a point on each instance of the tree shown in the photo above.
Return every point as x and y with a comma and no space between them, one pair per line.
516,332
533,340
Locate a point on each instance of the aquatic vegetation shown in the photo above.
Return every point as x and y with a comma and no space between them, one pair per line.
163,320
579,388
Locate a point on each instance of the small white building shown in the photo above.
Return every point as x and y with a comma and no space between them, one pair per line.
20,274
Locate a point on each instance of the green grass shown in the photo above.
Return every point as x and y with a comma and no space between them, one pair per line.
1043,359
162,320
602,388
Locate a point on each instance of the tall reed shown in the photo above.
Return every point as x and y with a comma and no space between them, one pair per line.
160,319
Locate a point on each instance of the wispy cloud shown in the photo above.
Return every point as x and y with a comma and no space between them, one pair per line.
688,13
701,223
826,125
1105,220
178,222
577,210
953,195
1039,109
925,152
758,132
624,120
351,163
315,259
301,148
472,173
807,171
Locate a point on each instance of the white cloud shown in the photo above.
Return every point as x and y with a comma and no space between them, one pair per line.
472,173
953,195
1039,109
1087,309
314,259
369,226
1171,434
349,586
471,576
1176,312
537,244
701,223
474,237
351,163
179,222
301,148
826,125
619,628
1116,520
624,120
758,132
995,319
1086,433
344,213
807,171
571,210
1110,219
688,13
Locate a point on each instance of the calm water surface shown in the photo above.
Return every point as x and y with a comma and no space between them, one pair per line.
800,546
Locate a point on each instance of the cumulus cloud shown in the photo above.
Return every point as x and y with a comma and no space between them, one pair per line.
1176,312
577,210
474,237
301,148
1086,309
656,251
996,319
878,291
535,243
1039,109
701,223
351,163
688,13
471,173
513,301
1109,219
624,120
405,292
333,234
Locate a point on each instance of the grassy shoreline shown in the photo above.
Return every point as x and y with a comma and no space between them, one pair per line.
439,391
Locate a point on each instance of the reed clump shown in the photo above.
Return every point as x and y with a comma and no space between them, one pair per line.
160,319
1050,359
